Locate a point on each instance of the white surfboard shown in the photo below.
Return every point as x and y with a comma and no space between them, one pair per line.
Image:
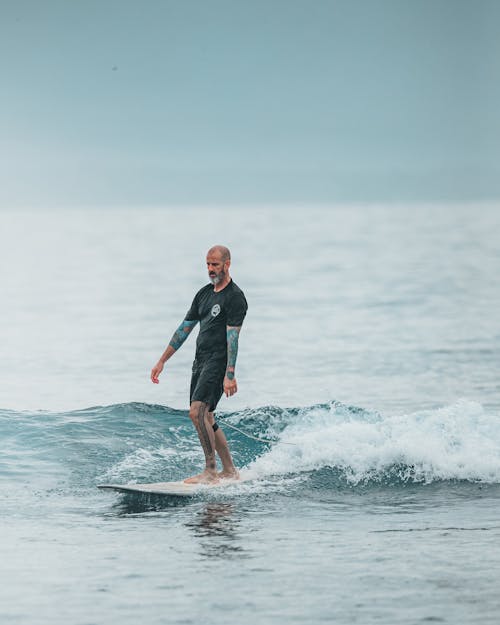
178,489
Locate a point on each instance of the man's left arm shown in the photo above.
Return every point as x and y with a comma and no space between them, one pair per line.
230,385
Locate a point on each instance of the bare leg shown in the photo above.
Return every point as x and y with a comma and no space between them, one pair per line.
222,448
199,415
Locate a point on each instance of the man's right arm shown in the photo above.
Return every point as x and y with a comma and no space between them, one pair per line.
180,335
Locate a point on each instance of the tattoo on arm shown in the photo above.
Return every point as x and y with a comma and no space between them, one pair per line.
181,334
232,349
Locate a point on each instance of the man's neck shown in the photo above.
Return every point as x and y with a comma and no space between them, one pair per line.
222,285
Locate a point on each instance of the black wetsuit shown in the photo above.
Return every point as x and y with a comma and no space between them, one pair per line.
215,310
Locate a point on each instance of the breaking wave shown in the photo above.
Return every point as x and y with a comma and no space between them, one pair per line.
344,444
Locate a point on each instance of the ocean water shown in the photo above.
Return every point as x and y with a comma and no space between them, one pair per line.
370,359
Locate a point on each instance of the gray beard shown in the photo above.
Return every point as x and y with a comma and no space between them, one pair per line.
217,278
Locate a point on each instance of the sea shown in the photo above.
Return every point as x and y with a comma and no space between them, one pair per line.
367,416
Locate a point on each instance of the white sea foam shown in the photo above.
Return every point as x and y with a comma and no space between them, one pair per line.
460,441
148,460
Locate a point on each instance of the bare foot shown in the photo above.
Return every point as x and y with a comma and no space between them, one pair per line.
207,477
229,475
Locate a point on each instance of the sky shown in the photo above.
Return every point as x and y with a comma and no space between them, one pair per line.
111,103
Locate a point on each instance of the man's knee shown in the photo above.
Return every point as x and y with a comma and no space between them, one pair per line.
197,410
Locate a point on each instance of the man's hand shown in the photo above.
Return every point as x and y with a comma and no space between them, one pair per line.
230,386
155,372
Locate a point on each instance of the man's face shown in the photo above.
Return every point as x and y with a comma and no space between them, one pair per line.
216,268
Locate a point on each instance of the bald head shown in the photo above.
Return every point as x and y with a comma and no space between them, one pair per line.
221,251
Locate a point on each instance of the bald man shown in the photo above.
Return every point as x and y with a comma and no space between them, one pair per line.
220,307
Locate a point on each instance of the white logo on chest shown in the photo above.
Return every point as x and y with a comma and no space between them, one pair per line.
215,310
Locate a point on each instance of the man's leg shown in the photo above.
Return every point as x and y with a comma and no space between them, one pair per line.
222,448
199,415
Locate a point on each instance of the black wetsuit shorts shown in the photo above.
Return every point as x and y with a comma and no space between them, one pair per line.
207,380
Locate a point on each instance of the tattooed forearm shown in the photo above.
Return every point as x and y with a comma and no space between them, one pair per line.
181,334
232,350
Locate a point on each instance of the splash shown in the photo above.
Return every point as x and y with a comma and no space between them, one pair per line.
457,442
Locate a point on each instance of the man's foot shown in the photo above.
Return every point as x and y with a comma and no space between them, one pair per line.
207,477
229,475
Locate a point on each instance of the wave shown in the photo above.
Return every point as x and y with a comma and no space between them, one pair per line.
457,442
345,445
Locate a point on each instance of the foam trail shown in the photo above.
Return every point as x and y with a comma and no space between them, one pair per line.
457,442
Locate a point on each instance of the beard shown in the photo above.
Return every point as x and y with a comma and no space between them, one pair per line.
216,278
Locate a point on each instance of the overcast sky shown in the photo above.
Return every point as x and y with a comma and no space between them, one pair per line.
231,101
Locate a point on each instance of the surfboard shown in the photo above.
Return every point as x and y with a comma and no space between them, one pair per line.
176,489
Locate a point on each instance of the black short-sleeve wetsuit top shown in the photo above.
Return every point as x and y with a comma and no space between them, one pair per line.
215,310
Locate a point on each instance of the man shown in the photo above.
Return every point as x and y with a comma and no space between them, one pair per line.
220,307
